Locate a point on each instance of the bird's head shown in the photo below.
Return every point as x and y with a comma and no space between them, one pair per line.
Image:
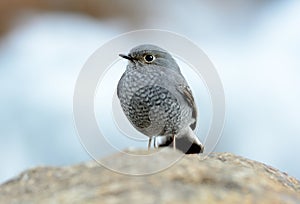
144,56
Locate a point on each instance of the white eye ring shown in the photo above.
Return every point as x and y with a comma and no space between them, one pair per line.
149,58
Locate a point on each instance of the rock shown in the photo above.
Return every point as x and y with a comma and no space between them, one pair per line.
221,177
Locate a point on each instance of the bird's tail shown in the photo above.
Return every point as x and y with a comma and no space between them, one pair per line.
186,141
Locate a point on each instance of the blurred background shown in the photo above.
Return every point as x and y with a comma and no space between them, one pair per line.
254,45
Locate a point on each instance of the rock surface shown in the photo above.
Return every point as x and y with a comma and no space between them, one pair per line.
220,177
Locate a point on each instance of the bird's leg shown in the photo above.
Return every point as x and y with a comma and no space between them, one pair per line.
174,142
149,143
154,142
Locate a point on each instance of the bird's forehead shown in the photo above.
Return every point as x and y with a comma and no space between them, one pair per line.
141,49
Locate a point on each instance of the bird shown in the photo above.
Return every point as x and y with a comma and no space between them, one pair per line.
157,100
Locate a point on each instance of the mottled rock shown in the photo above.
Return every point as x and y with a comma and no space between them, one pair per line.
221,177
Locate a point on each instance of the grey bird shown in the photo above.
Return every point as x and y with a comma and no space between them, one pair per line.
157,100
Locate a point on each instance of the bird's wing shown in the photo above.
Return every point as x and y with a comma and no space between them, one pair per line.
188,96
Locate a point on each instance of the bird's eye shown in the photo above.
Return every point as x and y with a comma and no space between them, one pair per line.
149,58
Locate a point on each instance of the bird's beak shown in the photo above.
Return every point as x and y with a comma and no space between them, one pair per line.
128,57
